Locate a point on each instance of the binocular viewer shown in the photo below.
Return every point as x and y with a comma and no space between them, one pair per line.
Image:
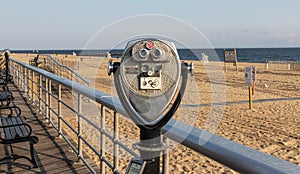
149,78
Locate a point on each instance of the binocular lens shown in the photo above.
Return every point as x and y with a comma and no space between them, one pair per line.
157,53
143,53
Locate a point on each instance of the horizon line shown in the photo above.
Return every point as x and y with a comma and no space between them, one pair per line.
43,49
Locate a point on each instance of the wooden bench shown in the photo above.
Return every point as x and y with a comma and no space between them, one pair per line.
5,98
15,129
5,95
3,84
10,111
35,61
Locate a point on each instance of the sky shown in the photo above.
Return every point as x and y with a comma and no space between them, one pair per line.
73,24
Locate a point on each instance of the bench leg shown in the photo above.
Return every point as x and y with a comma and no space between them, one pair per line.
14,156
33,160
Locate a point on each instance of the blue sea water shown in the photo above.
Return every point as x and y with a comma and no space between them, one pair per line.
259,55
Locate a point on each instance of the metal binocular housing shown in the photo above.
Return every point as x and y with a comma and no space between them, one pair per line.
150,81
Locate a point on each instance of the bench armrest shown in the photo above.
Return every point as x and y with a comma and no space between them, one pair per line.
14,110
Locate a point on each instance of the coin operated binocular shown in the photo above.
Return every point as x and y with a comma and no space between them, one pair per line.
150,81
149,77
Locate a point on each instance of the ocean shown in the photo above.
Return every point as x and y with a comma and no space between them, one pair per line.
258,55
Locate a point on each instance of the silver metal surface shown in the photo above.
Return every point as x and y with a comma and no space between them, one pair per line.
147,81
59,111
102,143
116,138
79,125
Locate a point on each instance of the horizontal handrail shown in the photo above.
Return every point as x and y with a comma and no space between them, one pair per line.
236,156
68,68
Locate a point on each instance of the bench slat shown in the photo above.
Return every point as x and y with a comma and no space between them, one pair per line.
25,130
15,128
7,134
16,120
5,95
12,130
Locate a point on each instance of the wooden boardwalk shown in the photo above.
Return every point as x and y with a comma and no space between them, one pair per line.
52,153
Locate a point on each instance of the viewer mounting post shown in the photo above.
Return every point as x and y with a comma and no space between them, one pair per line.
148,79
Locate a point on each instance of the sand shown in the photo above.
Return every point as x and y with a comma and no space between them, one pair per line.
272,126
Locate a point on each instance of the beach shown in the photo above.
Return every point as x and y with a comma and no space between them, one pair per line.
272,126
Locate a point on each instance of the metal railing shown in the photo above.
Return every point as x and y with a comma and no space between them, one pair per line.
38,84
63,70
283,65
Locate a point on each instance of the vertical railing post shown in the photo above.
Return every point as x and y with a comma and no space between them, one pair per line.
79,126
21,76
35,88
47,99
116,139
50,101
59,110
31,85
14,74
26,81
102,139
18,67
40,91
